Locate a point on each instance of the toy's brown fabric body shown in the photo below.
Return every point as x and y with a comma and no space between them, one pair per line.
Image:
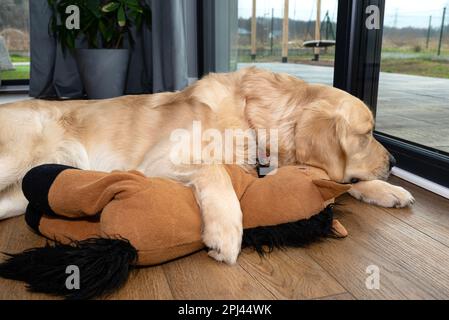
147,212
106,223
161,218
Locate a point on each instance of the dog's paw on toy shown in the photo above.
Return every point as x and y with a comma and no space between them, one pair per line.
106,223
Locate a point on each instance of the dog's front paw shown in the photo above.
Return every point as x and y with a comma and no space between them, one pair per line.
224,241
398,197
382,194
394,197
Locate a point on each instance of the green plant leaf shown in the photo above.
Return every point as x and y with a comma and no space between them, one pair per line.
121,17
94,7
106,32
132,3
104,23
133,9
110,7
137,19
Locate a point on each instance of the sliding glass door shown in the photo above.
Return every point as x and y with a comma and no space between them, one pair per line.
392,54
389,68
294,36
14,42
414,82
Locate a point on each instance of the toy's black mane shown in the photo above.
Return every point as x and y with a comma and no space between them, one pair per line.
104,263
294,234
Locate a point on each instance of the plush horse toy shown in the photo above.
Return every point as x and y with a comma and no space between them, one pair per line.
106,223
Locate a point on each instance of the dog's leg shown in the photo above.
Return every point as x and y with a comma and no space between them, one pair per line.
12,202
11,172
14,167
382,194
220,207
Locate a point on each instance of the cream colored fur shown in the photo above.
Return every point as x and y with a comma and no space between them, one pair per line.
318,125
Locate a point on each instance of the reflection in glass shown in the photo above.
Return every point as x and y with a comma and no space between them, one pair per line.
14,40
414,82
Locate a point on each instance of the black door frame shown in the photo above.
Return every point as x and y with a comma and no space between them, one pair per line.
358,50
14,86
357,69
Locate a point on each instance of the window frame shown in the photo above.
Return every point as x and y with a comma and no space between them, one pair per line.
21,86
357,70
15,82
215,35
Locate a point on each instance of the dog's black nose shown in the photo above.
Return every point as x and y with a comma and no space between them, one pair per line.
392,161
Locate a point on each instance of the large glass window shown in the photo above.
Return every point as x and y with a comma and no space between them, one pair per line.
309,49
413,101
14,40
410,48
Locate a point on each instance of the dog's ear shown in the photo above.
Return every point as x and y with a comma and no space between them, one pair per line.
317,141
342,120
271,102
351,121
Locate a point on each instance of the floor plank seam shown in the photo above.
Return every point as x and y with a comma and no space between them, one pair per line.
333,295
169,283
413,227
330,275
255,279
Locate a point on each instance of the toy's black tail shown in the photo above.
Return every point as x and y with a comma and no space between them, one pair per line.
294,234
103,265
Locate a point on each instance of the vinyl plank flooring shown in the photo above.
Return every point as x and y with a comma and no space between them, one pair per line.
341,296
16,237
430,213
290,274
412,265
145,283
199,277
410,247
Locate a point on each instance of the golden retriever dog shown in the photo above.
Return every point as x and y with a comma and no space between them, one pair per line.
317,125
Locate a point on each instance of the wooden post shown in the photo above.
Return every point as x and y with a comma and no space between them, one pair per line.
441,31
428,32
316,50
285,33
253,33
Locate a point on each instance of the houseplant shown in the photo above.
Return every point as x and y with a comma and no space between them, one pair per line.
104,25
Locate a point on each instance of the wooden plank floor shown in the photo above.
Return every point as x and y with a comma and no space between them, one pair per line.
409,246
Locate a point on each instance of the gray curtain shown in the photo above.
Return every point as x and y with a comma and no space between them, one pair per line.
159,60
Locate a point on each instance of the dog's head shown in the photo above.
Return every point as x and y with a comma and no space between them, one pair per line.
318,125
339,139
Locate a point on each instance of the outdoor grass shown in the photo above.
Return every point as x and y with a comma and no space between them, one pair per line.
325,59
20,73
423,63
396,60
419,67
18,58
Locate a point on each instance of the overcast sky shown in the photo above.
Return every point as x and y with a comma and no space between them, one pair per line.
409,12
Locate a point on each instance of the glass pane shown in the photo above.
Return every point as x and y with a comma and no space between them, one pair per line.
14,40
269,46
414,81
